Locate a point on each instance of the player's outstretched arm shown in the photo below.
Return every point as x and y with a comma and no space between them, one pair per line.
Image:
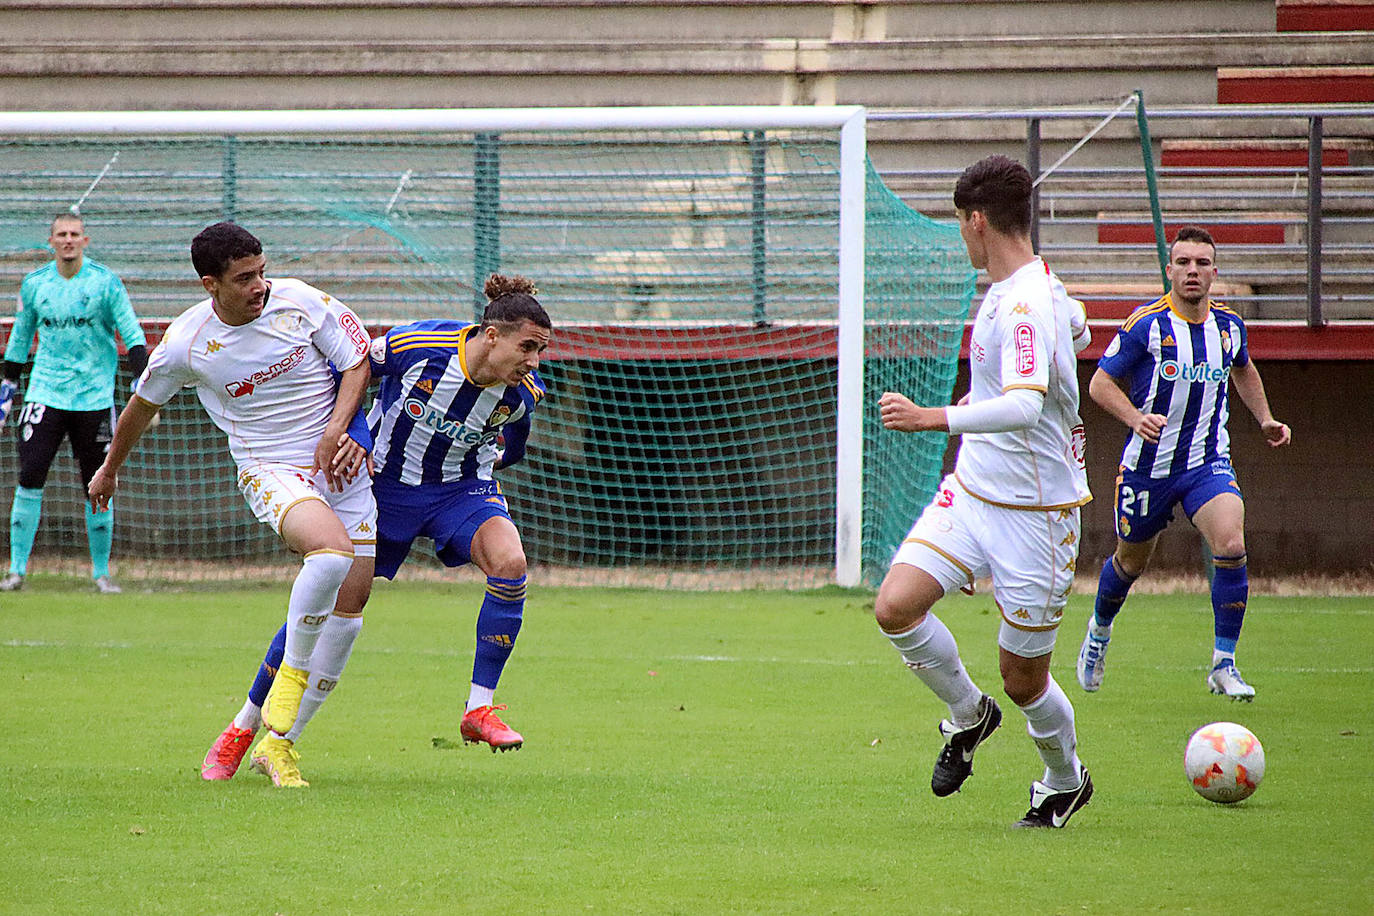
900,413
1250,387
1111,397
135,418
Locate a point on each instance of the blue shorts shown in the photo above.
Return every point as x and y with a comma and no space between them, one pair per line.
449,513
1145,505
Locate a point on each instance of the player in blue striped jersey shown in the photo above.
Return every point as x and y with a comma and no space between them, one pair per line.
1165,375
454,406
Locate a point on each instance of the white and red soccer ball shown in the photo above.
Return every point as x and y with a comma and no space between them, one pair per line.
1224,762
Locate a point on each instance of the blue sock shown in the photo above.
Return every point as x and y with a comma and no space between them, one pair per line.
99,537
1230,591
1112,587
498,623
24,515
268,670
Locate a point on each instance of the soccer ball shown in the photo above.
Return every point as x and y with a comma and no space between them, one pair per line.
1224,762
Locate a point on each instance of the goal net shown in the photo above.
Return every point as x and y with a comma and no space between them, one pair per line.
703,425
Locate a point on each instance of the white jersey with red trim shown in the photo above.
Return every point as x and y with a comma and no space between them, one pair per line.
1022,338
267,383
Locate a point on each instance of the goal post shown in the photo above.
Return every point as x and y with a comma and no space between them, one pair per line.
763,214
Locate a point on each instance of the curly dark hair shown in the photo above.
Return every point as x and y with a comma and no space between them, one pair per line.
215,247
512,301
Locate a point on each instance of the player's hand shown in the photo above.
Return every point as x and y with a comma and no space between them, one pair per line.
899,413
102,489
8,390
351,459
1277,433
325,450
1149,426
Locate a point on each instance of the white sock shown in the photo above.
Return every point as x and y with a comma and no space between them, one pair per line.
1219,656
929,651
249,717
326,667
312,598
1049,720
480,696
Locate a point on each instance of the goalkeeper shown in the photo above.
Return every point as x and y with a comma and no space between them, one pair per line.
75,306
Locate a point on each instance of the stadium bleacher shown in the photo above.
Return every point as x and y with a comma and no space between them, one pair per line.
891,56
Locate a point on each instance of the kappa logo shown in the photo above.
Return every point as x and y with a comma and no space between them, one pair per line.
1024,335
213,346
280,367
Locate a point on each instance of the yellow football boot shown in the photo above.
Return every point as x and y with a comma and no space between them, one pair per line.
277,759
284,699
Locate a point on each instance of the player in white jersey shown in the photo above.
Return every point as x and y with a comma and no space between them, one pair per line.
258,353
1011,507
1166,376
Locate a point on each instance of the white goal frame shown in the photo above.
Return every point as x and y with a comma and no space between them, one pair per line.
849,120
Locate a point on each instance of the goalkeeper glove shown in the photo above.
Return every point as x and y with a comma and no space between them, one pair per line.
8,389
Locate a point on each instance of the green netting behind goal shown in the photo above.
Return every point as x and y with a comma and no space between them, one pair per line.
689,434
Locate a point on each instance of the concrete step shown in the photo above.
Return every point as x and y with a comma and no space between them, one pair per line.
601,20
945,72
1296,84
1324,15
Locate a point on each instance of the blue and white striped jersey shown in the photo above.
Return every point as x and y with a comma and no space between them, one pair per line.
1181,370
430,422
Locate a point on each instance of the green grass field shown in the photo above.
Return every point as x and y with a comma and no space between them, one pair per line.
754,752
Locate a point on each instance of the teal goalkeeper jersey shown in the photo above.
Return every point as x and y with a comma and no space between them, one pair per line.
76,320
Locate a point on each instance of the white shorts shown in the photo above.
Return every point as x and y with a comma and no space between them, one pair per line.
272,487
1030,554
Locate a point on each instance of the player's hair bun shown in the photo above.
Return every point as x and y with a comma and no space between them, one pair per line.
498,285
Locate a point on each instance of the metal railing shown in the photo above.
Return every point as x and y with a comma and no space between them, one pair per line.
1281,123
